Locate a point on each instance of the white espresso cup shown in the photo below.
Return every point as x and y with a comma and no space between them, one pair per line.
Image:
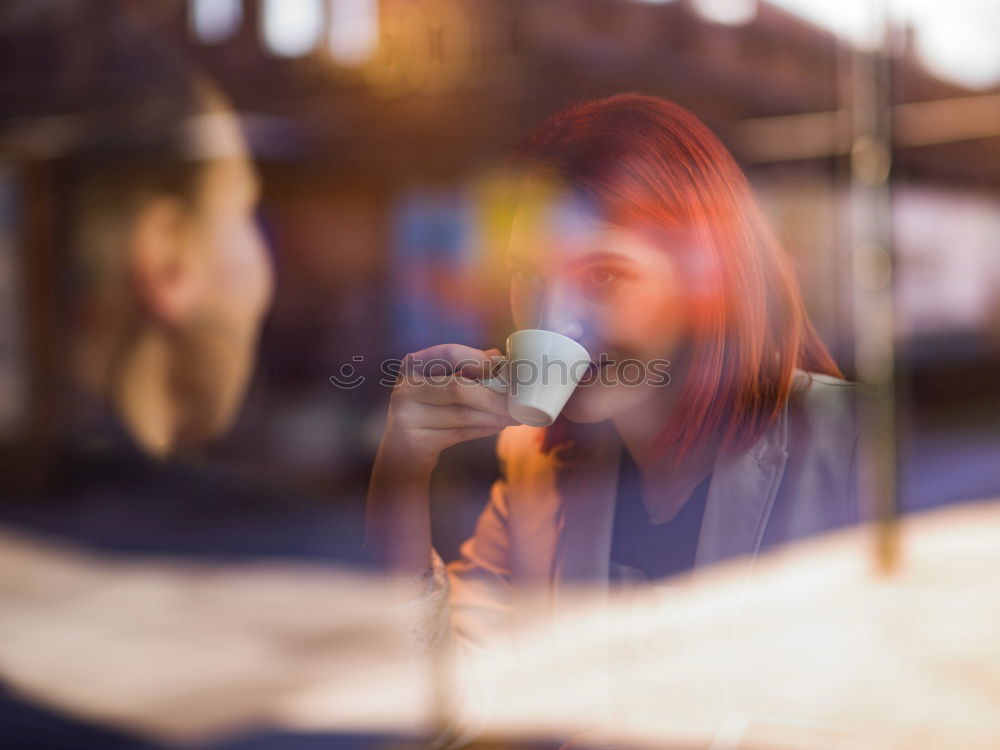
539,374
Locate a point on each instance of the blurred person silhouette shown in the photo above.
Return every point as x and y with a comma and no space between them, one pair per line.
164,283
163,279
637,236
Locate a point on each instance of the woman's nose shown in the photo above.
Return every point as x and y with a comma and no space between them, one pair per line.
562,312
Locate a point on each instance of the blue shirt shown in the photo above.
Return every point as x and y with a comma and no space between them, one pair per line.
658,550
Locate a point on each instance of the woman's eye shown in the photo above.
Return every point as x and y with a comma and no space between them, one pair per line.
524,276
601,276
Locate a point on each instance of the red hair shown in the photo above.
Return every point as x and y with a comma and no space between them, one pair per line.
649,163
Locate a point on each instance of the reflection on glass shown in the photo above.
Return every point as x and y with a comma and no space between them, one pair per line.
353,30
215,21
291,28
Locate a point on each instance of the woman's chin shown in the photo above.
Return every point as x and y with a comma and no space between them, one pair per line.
587,406
595,403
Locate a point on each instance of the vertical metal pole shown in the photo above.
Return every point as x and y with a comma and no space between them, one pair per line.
872,264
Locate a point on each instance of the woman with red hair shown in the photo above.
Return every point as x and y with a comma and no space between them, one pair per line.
637,236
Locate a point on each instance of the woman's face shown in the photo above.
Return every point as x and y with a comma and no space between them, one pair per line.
606,287
236,282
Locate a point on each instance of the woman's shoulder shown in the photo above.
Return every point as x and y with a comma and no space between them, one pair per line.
822,396
820,439
822,419
819,417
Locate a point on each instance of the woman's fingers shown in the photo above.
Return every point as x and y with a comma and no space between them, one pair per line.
445,359
435,404
458,390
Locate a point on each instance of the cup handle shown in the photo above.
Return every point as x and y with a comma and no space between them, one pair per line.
497,381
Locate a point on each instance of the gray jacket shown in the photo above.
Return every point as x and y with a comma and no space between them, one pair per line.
550,516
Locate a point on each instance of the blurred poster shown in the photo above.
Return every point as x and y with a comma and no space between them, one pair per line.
433,268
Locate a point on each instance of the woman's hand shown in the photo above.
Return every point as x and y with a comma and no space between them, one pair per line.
437,402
